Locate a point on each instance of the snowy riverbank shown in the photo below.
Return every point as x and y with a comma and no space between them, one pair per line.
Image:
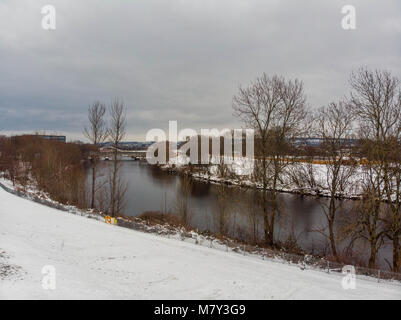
296,177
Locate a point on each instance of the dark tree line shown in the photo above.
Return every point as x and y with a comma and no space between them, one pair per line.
60,169
52,166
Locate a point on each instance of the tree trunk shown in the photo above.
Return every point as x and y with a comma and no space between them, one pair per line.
113,185
396,253
272,219
332,210
264,199
274,208
265,217
93,185
372,259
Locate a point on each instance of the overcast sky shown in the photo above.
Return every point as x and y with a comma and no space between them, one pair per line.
179,60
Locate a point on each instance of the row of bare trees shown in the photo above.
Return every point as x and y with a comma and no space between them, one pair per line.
98,131
365,126
52,166
376,104
58,168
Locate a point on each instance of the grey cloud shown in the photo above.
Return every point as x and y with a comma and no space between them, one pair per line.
180,60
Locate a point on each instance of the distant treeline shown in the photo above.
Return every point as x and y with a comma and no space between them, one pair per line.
56,168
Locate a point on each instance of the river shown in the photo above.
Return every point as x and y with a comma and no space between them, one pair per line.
152,189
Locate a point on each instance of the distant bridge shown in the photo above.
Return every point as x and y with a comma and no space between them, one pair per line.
134,154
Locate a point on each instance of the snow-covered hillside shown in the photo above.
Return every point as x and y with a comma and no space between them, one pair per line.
95,260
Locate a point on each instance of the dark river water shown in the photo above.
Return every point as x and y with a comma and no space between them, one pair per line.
151,189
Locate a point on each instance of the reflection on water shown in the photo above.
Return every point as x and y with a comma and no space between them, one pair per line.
151,189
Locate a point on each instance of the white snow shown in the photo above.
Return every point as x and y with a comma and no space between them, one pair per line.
241,167
94,260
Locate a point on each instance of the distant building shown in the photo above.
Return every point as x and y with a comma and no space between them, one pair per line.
51,137
315,142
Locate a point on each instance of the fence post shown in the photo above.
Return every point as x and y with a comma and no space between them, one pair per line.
244,249
378,275
328,266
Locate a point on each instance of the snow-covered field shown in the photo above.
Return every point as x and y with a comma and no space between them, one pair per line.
94,260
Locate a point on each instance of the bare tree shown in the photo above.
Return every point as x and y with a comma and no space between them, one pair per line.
116,134
223,208
275,109
97,133
251,210
367,222
303,173
102,198
121,188
393,192
335,130
183,198
9,159
376,100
